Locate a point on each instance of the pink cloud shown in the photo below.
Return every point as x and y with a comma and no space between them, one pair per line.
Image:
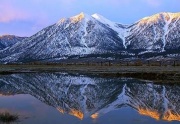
9,13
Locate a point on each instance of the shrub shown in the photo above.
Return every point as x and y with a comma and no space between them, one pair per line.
7,117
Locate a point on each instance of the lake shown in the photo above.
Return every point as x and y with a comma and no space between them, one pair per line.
61,98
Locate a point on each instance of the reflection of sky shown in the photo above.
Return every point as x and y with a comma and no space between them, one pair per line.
24,105
32,111
26,17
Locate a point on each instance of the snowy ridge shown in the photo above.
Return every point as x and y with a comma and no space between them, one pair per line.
84,35
120,30
166,29
9,40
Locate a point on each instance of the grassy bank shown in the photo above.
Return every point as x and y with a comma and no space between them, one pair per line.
168,74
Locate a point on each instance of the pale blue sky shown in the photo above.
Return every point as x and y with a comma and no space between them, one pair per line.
27,17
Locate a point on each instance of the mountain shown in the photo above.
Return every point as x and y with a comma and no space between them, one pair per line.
81,34
85,35
157,32
84,96
9,40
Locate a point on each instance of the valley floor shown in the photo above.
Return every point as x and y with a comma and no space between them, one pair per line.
158,74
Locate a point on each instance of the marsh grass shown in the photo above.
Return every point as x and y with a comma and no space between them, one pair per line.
7,117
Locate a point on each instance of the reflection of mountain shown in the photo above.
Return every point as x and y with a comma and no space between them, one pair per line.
85,96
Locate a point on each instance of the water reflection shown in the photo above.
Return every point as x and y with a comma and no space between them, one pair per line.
83,96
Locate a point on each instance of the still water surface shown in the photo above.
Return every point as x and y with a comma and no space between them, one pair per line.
46,98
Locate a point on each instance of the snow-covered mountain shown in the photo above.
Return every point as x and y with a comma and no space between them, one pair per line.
157,32
84,35
81,34
9,40
83,96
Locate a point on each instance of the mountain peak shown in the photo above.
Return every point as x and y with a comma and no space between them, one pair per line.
103,20
6,35
75,18
9,40
79,17
167,15
100,17
160,16
96,15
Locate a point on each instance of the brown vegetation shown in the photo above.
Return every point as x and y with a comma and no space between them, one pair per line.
6,117
164,71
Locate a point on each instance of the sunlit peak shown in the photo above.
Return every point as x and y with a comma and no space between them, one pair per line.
166,16
79,17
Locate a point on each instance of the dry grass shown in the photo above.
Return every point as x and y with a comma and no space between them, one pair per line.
162,73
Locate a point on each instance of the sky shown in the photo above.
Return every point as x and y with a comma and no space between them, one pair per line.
27,17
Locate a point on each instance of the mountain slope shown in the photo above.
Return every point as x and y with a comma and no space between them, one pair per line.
84,35
9,40
119,28
78,35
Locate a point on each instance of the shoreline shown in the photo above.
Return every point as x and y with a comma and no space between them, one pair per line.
163,74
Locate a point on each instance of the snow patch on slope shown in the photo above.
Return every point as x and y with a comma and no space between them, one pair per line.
166,30
122,32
